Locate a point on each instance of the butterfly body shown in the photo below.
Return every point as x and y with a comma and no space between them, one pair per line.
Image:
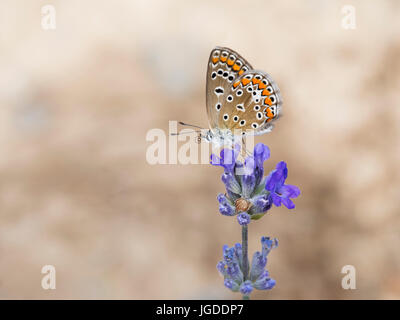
240,100
220,137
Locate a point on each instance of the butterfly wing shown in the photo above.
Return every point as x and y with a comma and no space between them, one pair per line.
225,66
252,103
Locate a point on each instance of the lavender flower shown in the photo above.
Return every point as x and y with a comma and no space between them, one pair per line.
231,269
247,190
281,192
249,195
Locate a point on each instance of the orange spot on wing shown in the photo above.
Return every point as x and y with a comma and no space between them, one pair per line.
255,81
269,113
236,84
240,72
265,92
262,85
236,67
214,60
268,101
269,119
245,81
223,59
230,62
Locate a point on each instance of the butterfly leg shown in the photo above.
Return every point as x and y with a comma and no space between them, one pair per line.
245,152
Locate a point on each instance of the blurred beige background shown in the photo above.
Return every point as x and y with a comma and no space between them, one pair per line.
76,191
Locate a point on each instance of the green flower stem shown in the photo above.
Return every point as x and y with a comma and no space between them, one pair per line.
245,262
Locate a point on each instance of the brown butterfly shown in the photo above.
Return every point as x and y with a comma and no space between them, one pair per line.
240,100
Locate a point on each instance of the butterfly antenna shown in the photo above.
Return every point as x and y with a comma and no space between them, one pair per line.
189,125
179,133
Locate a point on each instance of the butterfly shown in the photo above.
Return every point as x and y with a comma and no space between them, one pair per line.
240,100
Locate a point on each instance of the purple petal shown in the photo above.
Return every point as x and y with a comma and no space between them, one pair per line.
288,203
228,253
276,199
280,180
227,209
249,165
282,167
243,218
222,198
268,244
265,284
291,191
214,160
221,267
246,287
261,203
228,157
271,181
261,152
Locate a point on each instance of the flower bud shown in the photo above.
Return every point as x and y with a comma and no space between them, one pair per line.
242,205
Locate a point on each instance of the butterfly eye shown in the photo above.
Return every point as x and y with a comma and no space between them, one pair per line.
226,116
230,78
259,115
220,72
218,106
239,93
243,133
213,75
225,75
256,107
249,89
236,118
229,98
242,123
254,125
